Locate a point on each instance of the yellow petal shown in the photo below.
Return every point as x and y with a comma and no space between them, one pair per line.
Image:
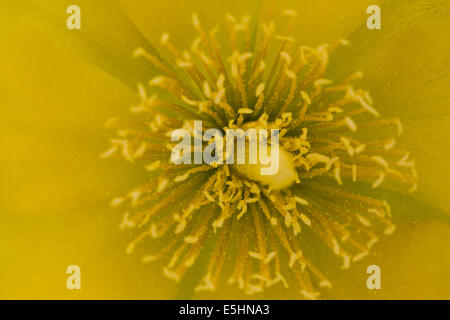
51,130
107,37
37,251
406,69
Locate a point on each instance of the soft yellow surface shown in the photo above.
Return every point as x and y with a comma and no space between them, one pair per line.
57,89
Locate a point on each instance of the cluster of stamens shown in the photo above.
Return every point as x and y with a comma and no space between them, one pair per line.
331,131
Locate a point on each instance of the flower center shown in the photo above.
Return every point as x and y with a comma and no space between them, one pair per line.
330,135
284,177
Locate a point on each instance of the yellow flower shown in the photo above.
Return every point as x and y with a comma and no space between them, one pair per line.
67,188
